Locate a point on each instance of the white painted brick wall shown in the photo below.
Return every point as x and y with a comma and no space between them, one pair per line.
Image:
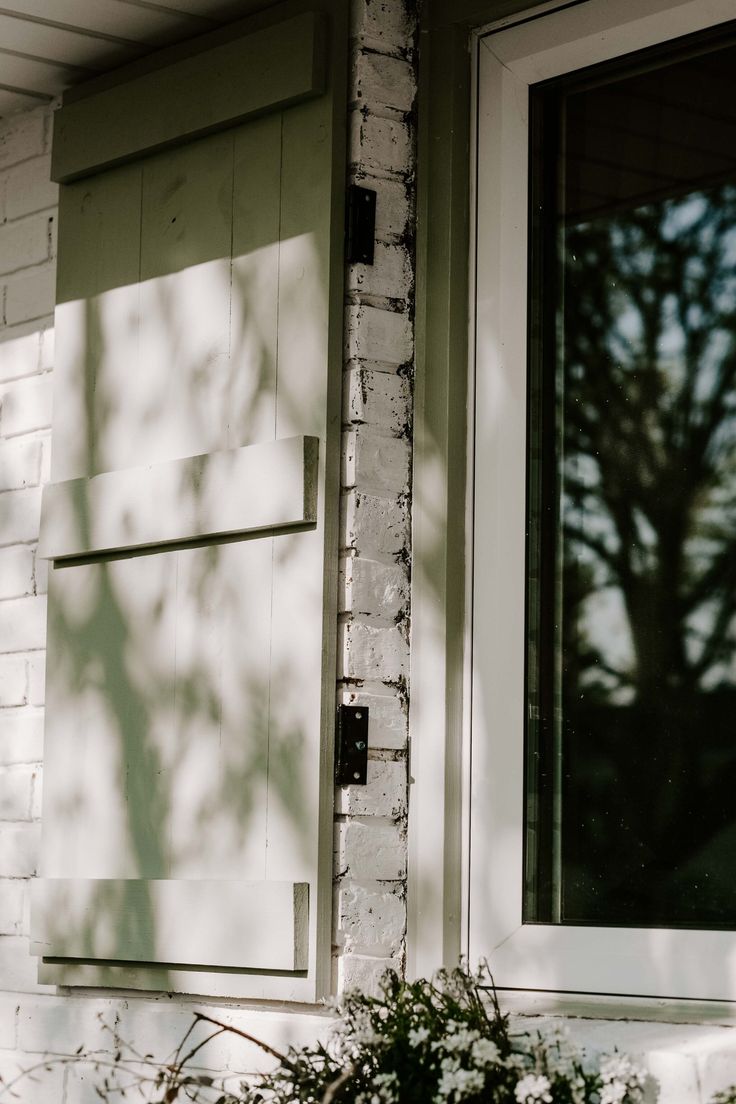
27,247
370,856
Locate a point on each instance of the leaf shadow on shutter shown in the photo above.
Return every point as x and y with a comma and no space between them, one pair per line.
184,678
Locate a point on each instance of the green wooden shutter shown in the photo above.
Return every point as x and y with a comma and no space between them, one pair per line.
191,522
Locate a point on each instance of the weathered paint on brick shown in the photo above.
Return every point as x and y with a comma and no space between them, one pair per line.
388,281
380,145
384,24
369,848
378,464
383,81
370,652
362,972
384,794
371,919
378,335
374,524
379,400
373,589
387,715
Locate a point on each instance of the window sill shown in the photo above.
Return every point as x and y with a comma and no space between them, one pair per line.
688,1047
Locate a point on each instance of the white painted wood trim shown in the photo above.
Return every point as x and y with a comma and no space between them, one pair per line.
227,924
635,962
643,962
497,771
588,34
253,77
235,491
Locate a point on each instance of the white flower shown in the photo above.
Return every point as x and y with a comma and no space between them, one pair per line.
614,1092
533,1088
485,1052
621,1078
363,1033
457,1039
418,1035
457,1083
385,1083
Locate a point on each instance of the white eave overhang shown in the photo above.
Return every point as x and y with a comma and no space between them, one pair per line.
48,46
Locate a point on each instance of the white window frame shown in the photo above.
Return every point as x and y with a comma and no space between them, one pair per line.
580,959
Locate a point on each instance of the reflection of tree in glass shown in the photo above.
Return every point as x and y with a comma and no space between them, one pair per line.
649,522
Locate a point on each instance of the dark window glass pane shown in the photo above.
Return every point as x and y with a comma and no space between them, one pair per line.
631,766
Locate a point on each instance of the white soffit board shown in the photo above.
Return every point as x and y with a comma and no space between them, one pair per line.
46,48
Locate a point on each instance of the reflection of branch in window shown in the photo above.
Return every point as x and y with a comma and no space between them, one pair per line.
649,413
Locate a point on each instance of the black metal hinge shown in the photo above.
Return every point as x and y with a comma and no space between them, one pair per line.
351,760
361,225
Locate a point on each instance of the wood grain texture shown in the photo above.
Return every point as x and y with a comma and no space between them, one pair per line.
243,925
97,314
117,125
267,486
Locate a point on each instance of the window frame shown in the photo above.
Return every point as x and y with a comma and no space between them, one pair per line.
647,962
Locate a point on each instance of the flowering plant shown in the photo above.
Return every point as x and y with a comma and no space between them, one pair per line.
442,1042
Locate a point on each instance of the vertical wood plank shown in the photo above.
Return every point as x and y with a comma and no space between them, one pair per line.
96,315
251,400
175,404
109,715
303,271
217,815
296,631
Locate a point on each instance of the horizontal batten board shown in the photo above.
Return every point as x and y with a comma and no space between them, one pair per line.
264,70
242,925
258,487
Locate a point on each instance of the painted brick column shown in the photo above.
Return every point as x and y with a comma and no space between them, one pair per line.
27,274
370,862
27,247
